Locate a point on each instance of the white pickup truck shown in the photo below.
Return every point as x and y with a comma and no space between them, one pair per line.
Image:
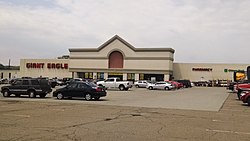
114,83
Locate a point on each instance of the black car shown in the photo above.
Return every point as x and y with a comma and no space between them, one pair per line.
30,87
186,83
80,89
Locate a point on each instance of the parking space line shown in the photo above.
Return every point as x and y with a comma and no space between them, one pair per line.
14,115
227,131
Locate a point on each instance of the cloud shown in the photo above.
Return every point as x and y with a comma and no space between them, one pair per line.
200,31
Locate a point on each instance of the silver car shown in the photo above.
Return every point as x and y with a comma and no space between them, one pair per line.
141,84
160,86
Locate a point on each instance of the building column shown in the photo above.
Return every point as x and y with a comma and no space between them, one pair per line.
105,75
137,76
166,77
124,76
74,75
94,75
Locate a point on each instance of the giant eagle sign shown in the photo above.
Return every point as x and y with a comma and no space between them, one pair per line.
47,65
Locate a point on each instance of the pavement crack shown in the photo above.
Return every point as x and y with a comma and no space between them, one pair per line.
162,127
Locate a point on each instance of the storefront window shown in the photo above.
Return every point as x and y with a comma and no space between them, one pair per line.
100,75
131,76
88,75
80,74
141,76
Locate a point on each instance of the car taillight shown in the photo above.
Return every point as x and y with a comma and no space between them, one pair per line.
98,89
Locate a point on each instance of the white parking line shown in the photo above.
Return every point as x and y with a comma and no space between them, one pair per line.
62,110
215,120
226,131
14,115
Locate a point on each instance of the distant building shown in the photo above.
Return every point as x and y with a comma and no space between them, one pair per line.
63,57
9,71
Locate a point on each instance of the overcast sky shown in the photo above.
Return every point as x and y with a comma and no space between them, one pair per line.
209,31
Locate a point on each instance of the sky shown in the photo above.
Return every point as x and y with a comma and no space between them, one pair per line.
200,31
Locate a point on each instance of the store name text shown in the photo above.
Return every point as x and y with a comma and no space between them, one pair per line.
202,69
233,70
48,65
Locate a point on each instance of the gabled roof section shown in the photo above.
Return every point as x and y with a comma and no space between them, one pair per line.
116,37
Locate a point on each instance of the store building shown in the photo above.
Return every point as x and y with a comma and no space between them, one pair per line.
9,73
118,58
206,71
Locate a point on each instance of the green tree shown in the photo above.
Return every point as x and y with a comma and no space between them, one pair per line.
2,66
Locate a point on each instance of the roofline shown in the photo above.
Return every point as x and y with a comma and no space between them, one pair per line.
124,42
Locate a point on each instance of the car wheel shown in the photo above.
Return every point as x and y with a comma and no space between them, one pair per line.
167,88
121,87
6,93
97,98
137,86
59,96
248,101
150,88
32,94
88,97
42,95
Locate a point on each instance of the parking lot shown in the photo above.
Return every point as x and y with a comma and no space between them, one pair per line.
138,114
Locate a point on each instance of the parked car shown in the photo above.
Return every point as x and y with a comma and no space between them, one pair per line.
77,80
30,87
80,89
230,86
115,83
177,85
245,97
160,86
186,83
201,83
66,80
141,83
4,81
242,87
56,82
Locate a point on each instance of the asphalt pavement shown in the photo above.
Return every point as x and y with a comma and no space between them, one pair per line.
128,116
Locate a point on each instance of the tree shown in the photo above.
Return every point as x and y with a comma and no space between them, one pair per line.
2,66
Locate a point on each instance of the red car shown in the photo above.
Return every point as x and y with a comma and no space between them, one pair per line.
245,97
242,87
176,84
